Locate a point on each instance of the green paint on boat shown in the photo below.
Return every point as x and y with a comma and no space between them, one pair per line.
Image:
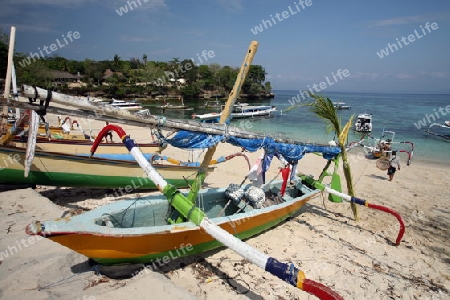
10,176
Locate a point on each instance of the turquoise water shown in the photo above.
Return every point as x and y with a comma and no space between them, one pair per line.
400,113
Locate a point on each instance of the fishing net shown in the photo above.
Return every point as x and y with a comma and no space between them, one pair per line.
234,192
256,196
383,163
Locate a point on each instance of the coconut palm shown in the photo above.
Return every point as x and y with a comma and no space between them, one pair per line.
324,109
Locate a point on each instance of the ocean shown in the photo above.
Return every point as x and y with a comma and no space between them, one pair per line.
408,115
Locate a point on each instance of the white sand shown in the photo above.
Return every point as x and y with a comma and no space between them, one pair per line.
357,259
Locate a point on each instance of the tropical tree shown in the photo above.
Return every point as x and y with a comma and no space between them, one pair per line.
324,109
3,53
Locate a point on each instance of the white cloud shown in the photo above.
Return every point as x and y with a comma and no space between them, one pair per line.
126,38
411,19
366,75
405,76
231,5
145,4
434,74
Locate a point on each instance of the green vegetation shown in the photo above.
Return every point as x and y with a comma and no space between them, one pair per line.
134,77
324,109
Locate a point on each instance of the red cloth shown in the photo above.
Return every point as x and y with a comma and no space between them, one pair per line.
285,175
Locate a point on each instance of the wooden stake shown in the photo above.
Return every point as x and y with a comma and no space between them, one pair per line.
8,78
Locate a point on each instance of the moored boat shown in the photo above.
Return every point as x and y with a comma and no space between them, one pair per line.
244,110
176,107
207,118
363,123
341,105
127,105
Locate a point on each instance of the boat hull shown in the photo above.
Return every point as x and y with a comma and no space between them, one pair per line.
59,169
84,147
161,243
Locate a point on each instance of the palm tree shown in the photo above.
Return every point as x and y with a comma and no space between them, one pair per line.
324,109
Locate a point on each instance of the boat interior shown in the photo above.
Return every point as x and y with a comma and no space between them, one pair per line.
215,203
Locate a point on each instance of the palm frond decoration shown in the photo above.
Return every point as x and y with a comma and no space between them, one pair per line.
325,110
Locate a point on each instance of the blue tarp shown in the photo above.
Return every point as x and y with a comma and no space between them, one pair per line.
291,152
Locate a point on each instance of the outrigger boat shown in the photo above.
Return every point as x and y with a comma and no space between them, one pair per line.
383,146
445,134
170,106
62,169
145,230
83,147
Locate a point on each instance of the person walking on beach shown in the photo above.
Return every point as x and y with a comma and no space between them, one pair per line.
394,164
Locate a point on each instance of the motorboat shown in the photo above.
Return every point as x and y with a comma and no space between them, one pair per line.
363,123
341,105
207,118
128,105
244,110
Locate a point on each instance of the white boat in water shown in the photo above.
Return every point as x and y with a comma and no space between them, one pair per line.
240,111
207,118
244,110
128,105
341,105
363,123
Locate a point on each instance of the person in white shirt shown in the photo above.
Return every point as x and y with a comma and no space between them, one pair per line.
394,165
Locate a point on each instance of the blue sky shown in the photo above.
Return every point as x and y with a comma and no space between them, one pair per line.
306,46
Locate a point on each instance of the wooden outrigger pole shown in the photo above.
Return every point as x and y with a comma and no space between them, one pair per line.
224,119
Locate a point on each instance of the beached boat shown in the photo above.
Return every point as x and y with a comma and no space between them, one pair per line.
244,110
141,230
442,133
363,123
341,105
62,169
127,105
82,147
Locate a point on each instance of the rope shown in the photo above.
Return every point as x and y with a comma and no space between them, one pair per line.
94,268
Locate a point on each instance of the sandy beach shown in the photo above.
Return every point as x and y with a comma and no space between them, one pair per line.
356,259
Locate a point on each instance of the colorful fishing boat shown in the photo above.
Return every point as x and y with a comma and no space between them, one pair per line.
143,230
62,169
383,146
83,147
